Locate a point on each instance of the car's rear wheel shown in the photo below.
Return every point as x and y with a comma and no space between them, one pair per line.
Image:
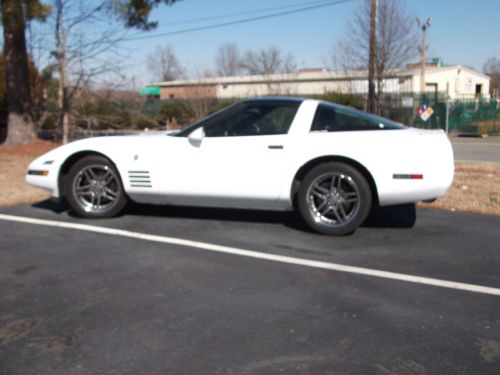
94,189
334,198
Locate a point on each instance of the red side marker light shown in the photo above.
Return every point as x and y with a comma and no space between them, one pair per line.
405,176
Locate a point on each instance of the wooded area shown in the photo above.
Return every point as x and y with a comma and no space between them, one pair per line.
16,15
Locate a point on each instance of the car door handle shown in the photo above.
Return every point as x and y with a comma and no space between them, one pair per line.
275,147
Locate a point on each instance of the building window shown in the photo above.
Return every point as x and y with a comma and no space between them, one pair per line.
479,89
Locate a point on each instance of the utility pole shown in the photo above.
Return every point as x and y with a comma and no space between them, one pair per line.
372,61
447,123
424,26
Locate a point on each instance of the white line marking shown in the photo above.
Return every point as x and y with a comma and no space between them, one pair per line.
258,255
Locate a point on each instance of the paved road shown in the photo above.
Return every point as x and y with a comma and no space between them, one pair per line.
78,302
477,149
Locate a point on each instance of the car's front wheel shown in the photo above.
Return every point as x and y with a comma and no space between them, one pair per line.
94,189
334,198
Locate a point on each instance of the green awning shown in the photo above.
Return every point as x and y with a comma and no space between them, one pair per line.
150,90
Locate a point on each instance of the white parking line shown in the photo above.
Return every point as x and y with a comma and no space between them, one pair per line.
258,255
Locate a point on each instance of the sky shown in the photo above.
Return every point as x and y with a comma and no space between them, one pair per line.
463,32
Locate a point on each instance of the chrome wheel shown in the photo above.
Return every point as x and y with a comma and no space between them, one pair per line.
96,188
333,199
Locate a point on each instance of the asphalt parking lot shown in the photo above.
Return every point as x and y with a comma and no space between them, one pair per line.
76,301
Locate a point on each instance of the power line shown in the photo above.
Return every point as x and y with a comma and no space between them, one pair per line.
230,15
237,22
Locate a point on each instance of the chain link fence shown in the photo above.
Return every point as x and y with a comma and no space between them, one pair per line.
464,116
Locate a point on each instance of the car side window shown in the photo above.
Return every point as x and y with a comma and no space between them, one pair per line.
254,119
331,119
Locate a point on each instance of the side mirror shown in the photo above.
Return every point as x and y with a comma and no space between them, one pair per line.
196,137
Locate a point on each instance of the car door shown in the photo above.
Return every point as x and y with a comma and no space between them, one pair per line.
239,160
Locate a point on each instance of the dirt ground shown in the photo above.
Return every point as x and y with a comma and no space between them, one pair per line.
14,163
476,187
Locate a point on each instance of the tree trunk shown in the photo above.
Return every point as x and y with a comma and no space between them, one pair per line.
65,126
372,56
21,128
380,89
63,101
62,65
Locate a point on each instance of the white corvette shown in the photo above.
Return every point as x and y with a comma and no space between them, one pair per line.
331,163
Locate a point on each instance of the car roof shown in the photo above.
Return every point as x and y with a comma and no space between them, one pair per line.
274,100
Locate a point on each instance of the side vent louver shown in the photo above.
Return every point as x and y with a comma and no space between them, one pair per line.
140,179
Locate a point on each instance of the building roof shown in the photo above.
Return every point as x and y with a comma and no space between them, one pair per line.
281,77
150,90
309,75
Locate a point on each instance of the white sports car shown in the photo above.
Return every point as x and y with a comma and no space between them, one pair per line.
331,163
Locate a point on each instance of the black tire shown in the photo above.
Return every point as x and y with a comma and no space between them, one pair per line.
94,189
334,198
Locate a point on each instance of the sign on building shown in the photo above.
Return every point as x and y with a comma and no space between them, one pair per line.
407,101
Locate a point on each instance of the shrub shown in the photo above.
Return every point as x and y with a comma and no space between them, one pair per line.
175,112
222,103
142,122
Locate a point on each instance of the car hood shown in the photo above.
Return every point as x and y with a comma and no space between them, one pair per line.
110,145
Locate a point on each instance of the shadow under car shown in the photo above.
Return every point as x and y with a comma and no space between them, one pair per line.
398,216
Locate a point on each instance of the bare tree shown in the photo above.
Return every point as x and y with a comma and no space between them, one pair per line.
164,65
105,106
15,13
396,41
201,96
492,68
268,61
228,60
85,47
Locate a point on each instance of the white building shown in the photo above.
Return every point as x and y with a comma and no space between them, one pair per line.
460,82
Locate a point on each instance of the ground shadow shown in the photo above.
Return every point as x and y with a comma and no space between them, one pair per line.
289,219
400,216
57,207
